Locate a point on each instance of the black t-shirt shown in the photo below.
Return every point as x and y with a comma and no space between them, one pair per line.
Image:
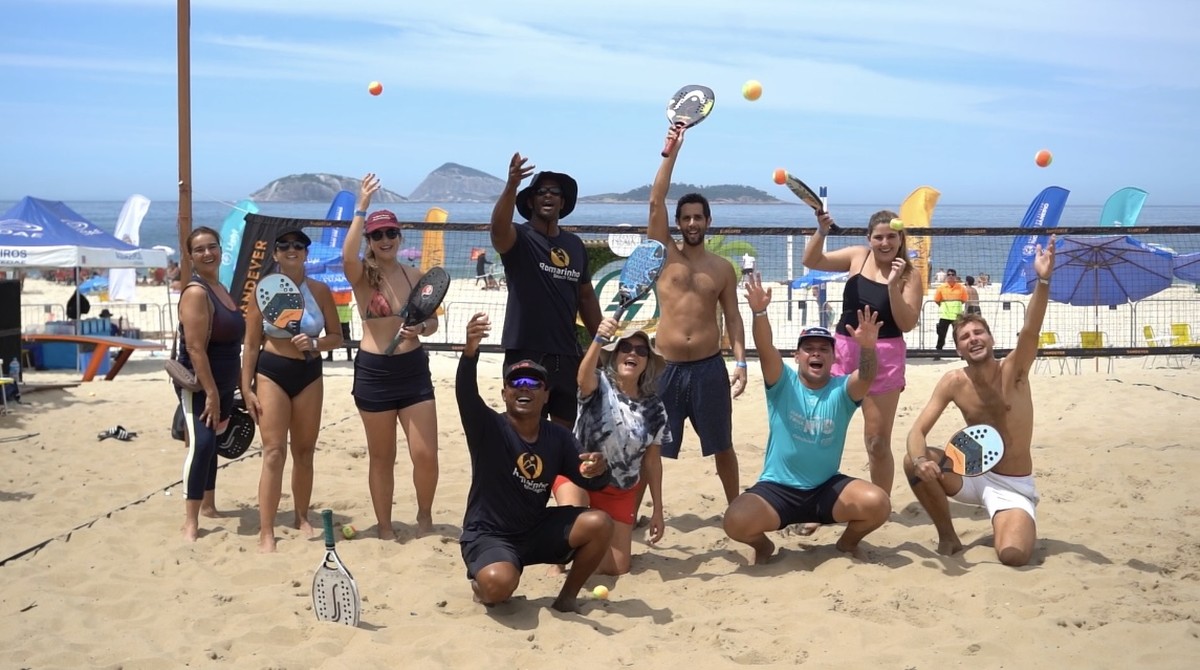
544,275
510,478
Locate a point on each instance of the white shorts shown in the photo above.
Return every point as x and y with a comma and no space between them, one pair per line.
997,493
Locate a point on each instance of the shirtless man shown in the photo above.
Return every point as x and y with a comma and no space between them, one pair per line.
693,283
996,393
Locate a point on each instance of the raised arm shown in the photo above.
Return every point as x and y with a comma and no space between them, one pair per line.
1027,342
769,358
471,407
504,233
816,258
352,263
905,295
586,377
658,228
865,336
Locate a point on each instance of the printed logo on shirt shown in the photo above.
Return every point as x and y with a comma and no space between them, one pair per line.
559,257
529,466
560,265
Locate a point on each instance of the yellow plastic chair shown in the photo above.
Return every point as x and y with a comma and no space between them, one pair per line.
1093,339
1181,335
1153,342
1048,340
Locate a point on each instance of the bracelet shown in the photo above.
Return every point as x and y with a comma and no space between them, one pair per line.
740,364
1043,281
313,341
600,339
762,313
424,327
360,212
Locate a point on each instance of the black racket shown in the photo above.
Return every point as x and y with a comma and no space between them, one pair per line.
423,301
639,273
334,591
806,194
690,105
281,303
238,436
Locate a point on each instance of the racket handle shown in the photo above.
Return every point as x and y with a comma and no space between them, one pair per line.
395,344
670,144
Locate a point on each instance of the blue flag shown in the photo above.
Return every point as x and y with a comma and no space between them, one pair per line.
341,209
1123,207
1044,212
231,238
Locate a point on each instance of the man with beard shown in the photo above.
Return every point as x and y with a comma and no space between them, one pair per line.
515,457
693,283
809,410
996,393
549,281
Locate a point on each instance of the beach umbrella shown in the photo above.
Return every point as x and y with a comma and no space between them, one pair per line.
410,253
818,277
165,249
95,284
1108,270
1187,267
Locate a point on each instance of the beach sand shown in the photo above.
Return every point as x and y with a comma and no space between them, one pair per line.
1114,582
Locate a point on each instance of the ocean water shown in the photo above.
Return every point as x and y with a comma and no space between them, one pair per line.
968,255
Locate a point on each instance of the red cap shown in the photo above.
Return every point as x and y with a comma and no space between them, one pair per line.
381,219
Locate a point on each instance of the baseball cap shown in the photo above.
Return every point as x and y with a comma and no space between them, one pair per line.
816,331
299,235
380,219
524,368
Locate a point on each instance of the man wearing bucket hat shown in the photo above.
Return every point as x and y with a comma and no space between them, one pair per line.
515,457
621,415
808,410
549,283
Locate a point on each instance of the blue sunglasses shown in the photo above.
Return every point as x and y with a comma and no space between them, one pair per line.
528,383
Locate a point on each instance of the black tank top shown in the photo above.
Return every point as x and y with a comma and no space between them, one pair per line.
224,340
862,292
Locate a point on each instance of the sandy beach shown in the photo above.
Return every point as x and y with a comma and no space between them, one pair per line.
1113,583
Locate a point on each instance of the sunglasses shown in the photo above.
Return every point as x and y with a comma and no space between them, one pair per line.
526,383
294,245
552,190
390,233
640,349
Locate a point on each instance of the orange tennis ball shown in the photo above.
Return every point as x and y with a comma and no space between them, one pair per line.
780,176
1043,158
752,90
375,88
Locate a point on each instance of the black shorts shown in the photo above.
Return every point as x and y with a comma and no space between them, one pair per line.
548,542
564,385
697,390
391,383
293,375
801,505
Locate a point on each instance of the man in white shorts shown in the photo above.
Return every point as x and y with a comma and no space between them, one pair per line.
996,393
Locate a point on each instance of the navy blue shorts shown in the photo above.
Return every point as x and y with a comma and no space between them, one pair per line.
802,505
697,390
562,371
548,542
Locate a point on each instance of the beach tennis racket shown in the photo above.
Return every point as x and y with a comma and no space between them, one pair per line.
641,270
281,303
334,591
819,203
424,299
690,105
238,436
973,451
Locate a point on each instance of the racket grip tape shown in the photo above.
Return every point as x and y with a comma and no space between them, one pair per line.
670,144
327,520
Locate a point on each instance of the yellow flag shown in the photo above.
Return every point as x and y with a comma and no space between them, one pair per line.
917,212
433,248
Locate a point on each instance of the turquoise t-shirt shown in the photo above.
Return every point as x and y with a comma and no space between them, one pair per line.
807,430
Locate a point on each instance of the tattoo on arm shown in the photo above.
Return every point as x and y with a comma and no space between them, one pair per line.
868,366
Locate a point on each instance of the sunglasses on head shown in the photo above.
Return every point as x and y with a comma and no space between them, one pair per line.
294,245
390,233
528,383
640,349
552,190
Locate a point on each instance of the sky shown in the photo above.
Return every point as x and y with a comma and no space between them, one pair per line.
871,98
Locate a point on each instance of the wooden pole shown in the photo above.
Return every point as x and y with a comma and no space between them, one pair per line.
184,75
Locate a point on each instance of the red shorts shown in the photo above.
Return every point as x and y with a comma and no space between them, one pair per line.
620,504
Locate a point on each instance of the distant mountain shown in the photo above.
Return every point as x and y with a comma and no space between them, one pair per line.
316,188
721,193
457,183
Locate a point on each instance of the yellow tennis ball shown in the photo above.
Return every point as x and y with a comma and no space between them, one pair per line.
349,531
896,224
752,90
601,592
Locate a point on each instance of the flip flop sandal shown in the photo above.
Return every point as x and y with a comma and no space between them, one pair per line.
124,435
111,432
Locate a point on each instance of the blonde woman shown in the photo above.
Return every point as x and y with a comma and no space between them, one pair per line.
390,389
